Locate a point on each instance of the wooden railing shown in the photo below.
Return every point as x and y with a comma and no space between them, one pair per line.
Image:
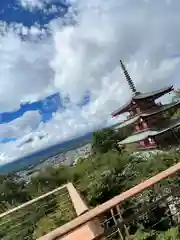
115,209
111,220
22,222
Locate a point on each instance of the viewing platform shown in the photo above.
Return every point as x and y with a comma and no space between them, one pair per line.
111,220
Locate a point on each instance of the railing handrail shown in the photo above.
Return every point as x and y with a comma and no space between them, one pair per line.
79,205
92,214
31,201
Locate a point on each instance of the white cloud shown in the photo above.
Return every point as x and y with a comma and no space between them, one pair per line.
85,56
43,5
20,126
30,4
25,73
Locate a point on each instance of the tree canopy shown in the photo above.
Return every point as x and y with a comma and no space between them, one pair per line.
107,139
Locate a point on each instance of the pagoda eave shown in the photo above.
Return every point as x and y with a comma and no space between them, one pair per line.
149,133
123,109
154,94
141,97
147,114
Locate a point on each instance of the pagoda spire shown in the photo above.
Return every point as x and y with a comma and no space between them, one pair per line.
128,78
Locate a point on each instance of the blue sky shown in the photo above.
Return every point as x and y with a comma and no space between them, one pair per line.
62,80
11,12
52,103
46,114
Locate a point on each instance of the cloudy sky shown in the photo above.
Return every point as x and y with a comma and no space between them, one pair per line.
59,64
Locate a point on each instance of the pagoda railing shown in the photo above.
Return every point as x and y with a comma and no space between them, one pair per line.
152,205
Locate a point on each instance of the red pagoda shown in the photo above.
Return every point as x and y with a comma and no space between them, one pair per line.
151,127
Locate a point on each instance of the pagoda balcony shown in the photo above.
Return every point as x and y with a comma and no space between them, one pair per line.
147,148
141,127
141,131
158,138
147,144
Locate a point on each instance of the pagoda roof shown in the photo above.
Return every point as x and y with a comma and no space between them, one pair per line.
160,109
122,109
142,96
149,133
127,122
138,137
147,113
156,93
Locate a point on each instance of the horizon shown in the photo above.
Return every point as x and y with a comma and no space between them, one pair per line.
61,77
42,155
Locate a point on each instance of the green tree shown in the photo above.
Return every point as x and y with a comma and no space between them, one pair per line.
48,179
176,98
177,95
12,190
171,234
106,140
104,176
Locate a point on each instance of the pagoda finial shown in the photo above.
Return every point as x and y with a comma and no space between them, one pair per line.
128,78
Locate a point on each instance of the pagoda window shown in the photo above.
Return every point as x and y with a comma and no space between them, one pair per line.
137,128
151,141
131,113
138,110
140,126
145,126
134,111
146,143
142,143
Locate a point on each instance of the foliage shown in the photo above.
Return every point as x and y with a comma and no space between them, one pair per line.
57,217
48,179
144,235
171,234
12,191
106,140
175,113
104,178
177,95
177,98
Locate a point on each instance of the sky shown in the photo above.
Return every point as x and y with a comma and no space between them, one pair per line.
60,76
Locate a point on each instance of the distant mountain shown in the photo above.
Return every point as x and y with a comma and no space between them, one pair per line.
38,157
